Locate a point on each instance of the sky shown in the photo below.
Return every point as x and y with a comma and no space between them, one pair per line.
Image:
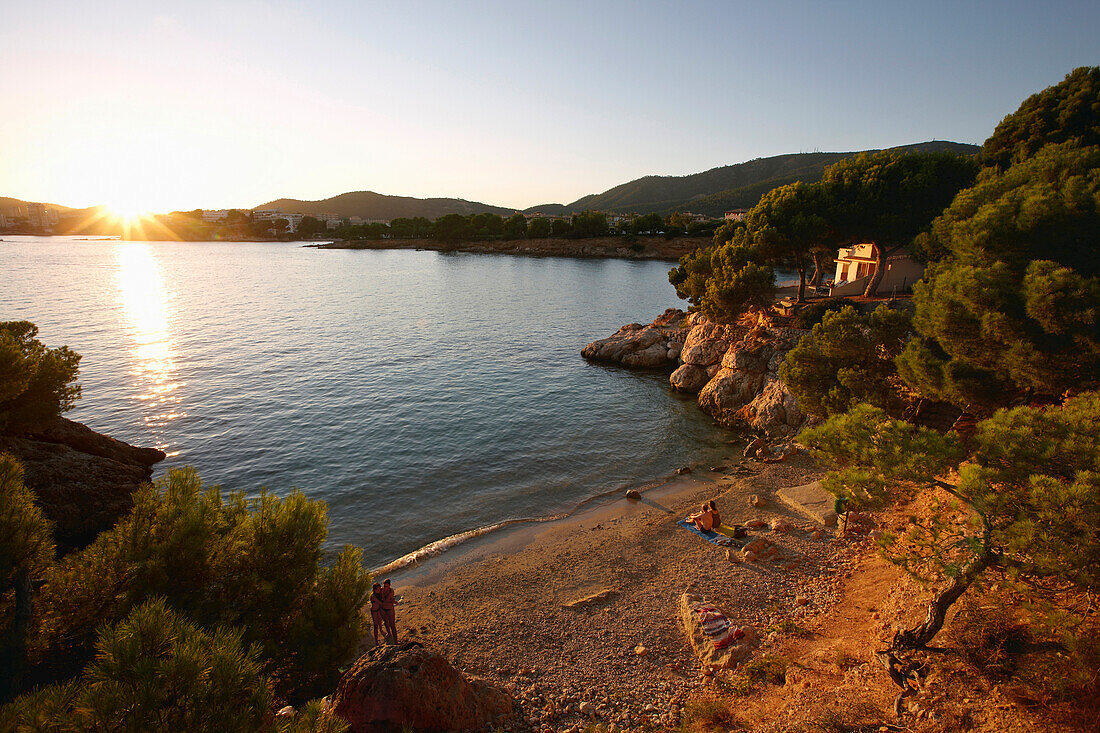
148,105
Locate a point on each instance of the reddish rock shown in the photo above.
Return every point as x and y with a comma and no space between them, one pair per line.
688,378
705,352
392,688
653,346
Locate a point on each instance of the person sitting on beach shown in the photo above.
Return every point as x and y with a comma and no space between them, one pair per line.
716,518
704,519
376,613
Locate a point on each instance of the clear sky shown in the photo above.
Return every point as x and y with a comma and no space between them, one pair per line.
157,105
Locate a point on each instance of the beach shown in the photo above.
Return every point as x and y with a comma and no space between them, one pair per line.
585,609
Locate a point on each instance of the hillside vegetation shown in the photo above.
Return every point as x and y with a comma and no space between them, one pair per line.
371,205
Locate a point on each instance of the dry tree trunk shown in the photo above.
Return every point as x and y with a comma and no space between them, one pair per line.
907,674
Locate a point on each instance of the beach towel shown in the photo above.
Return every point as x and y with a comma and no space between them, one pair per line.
717,538
717,627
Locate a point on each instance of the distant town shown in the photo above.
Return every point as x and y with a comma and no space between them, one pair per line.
228,224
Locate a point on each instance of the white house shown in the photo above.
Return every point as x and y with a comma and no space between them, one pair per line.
855,265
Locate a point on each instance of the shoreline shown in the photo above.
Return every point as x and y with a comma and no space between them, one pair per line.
640,247
516,606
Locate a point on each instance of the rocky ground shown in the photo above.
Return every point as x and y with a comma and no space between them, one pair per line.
583,625
579,620
734,369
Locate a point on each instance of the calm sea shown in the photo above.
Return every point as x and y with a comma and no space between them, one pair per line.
419,394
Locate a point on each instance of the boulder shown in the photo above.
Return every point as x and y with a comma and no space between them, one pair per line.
689,378
704,353
728,656
650,357
84,481
635,345
747,389
393,688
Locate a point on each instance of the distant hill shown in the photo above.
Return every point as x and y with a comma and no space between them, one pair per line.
730,186
548,209
8,204
371,205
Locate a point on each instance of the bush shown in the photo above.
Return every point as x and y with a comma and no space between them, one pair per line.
846,359
767,669
709,715
254,565
813,313
36,383
156,671
26,550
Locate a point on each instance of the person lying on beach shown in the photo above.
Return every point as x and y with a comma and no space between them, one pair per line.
704,519
376,613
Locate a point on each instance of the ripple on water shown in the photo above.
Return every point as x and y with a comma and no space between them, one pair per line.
421,395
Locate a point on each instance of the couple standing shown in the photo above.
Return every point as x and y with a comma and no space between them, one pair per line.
382,613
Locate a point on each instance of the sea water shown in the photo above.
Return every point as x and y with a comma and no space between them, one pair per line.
419,394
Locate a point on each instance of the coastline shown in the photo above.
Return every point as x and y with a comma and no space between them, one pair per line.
516,606
641,247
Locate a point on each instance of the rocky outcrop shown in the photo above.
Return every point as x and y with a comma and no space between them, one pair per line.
655,346
728,656
84,480
735,371
392,688
747,389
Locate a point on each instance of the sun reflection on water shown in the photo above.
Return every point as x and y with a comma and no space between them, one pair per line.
145,309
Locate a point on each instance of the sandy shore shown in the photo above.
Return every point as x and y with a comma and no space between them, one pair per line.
499,607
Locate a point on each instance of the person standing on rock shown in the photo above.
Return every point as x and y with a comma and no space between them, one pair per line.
389,614
376,613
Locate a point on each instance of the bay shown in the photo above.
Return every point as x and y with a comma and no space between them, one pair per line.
419,394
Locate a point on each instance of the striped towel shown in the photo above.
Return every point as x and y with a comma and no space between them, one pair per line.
714,622
717,627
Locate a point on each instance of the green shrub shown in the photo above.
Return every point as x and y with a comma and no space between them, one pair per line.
36,383
254,565
766,669
155,671
26,550
846,359
812,314
709,715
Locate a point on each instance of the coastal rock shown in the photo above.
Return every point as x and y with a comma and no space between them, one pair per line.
84,481
704,353
702,329
689,378
747,389
392,688
724,658
634,345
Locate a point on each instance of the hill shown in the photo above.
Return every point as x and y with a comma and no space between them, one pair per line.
371,205
730,186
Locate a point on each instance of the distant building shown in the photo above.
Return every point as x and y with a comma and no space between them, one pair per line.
293,220
359,221
735,214
855,265
40,217
215,216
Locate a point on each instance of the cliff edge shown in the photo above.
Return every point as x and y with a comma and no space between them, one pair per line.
83,479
